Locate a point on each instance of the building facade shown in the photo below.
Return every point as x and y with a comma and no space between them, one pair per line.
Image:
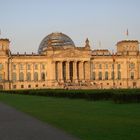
60,64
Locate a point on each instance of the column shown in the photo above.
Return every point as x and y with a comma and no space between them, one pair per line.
67,70
32,71
81,70
75,70
60,75
54,70
87,70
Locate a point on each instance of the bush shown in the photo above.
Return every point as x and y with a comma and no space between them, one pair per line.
117,96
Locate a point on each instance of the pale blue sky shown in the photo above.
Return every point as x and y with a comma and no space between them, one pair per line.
27,22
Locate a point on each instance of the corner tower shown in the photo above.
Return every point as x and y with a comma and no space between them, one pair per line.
128,47
4,46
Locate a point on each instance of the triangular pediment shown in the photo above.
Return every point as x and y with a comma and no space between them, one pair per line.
68,54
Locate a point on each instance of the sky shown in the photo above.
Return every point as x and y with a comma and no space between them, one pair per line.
104,22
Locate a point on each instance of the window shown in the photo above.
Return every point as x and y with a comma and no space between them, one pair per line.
92,66
112,75
21,66
106,66
100,66
43,66
14,76
43,76
0,77
119,66
1,66
119,75
28,66
22,86
29,86
93,76
14,67
36,67
131,65
21,76
112,66
14,86
106,75
132,75
36,76
28,76
36,85
100,75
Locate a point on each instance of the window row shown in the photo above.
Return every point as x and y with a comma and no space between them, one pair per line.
106,66
99,76
29,86
106,77
1,66
28,76
29,66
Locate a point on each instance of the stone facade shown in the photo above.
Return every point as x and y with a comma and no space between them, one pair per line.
60,64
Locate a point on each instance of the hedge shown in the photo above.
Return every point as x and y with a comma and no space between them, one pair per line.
117,95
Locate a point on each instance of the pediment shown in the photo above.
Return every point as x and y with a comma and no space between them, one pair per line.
68,54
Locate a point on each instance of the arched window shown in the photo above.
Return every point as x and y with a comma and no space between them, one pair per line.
112,75
14,66
28,67
21,66
132,75
35,76
0,77
14,76
36,66
119,75
93,76
100,66
106,75
131,65
106,66
100,75
43,76
28,76
1,66
21,76
119,66
43,66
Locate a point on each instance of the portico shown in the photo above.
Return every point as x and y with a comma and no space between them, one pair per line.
72,71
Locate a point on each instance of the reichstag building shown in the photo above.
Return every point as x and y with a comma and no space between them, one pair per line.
59,63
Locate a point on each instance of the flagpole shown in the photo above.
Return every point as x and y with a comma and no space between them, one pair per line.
0,33
127,33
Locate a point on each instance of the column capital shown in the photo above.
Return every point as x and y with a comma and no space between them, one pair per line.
68,61
75,61
82,61
67,70
75,70
53,62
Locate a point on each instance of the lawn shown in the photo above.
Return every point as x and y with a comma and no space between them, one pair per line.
88,120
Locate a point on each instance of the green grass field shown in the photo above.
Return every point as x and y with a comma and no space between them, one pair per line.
100,120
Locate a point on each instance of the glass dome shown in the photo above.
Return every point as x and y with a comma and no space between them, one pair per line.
55,40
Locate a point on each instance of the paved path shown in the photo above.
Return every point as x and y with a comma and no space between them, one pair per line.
15,125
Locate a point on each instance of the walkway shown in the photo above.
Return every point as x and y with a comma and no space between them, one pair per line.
16,125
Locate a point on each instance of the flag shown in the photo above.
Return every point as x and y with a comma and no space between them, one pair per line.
100,44
113,56
127,33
